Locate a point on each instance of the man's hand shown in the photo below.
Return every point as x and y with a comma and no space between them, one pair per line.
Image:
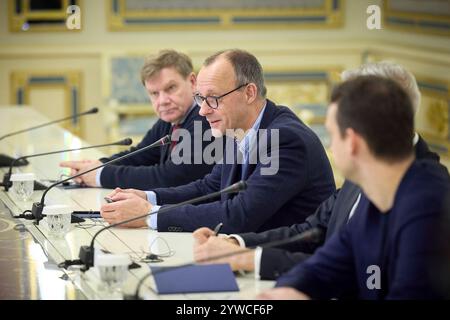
207,245
283,293
126,206
139,193
201,235
77,167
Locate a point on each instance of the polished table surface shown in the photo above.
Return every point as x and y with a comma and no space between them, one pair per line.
29,256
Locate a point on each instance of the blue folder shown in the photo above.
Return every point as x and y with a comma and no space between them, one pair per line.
195,278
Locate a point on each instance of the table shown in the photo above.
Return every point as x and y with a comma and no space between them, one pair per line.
29,257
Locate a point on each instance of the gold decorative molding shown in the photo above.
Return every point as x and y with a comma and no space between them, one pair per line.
22,82
433,118
216,14
306,91
24,19
418,17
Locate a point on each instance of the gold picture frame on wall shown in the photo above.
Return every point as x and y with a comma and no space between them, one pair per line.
141,15
433,116
306,91
418,16
69,83
40,15
432,119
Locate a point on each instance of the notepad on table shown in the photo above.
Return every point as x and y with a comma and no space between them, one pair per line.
195,278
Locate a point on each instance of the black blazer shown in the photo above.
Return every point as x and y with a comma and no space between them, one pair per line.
304,179
154,168
329,216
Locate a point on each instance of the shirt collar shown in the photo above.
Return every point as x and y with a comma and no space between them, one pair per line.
415,139
250,136
186,114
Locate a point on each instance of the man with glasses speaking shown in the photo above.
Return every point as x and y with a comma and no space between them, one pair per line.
283,162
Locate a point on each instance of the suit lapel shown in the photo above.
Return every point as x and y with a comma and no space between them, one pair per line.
347,204
266,120
233,169
165,150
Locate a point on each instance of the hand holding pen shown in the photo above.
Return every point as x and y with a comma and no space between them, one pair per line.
201,235
217,229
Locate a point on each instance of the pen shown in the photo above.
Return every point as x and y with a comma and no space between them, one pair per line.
217,229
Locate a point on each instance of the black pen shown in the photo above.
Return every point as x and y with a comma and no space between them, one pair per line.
217,229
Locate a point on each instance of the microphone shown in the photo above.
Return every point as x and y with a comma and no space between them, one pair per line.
86,255
312,235
6,161
36,210
6,178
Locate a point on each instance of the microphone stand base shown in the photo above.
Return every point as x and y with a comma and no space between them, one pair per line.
36,211
86,256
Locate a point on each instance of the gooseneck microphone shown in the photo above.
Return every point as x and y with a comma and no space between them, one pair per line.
86,255
312,235
6,178
87,252
36,210
5,161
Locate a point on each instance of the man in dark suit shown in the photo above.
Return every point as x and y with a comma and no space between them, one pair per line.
440,265
384,251
170,82
330,216
283,162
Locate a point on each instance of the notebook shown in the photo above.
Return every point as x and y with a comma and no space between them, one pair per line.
194,278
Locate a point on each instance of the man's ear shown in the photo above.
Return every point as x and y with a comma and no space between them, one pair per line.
353,141
251,92
192,78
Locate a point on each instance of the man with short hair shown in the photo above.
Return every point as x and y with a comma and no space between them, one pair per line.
330,216
170,82
285,189
383,252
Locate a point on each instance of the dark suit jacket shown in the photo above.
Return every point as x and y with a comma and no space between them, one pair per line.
304,179
394,246
329,216
155,168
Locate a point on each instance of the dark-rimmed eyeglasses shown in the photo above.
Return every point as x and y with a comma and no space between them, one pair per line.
213,101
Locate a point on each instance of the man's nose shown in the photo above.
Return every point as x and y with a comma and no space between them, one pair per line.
163,98
205,109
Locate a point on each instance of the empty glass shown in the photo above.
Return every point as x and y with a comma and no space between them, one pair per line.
22,185
58,219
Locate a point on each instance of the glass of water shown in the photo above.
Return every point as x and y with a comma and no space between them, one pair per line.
113,269
58,219
23,185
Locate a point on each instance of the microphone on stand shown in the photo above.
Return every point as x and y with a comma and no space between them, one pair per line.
6,178
36,210
314,235
5,161
86,255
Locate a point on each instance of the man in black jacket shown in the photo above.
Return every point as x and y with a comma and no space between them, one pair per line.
170,82
330,216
